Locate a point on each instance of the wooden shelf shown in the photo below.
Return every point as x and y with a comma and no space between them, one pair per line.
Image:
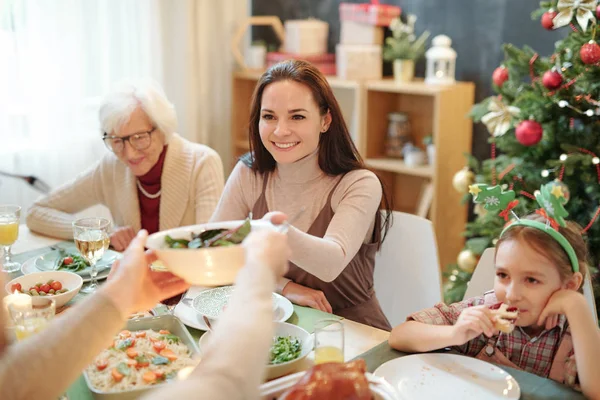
416,87
399,166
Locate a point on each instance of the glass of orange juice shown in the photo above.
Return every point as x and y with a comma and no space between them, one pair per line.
9,232
329,341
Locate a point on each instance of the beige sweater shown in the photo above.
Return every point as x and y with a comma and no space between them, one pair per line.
192,181
303,184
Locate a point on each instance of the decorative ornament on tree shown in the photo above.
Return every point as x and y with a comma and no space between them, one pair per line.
500,76
582,9
552,79
598,11
462,179
467,261
529,132
500,116
590,53
560,189
547,18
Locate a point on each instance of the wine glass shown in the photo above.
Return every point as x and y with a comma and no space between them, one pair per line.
329,341
9,232
91,239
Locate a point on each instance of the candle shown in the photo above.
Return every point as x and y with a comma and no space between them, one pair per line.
18,301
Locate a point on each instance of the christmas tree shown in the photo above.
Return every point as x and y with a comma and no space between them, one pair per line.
544,125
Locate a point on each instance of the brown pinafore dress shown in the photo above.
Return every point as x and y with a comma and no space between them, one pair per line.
351,294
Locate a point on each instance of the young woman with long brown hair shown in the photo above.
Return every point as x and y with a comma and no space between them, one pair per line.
302,157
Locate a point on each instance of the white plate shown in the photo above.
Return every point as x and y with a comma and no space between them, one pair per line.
188,316
451,376
212,302
46,261
28,267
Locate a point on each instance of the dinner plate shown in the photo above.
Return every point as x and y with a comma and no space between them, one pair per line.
47,261
212,302
189,317
448,376
28,267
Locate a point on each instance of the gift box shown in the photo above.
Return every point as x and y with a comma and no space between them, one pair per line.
369,13
358,33
324,62
306,36
355,61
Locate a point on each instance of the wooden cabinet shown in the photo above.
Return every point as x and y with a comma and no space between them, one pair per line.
440,111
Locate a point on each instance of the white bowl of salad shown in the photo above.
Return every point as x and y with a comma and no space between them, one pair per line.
61,286
291,344
206,254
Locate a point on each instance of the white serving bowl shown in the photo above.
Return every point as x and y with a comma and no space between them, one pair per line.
214,266
281,329
69,280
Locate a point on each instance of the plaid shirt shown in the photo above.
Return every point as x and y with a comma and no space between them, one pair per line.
533,355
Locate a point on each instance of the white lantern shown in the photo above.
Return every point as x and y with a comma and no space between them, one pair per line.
441,61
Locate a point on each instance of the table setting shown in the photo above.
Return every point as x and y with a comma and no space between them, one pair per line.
316,339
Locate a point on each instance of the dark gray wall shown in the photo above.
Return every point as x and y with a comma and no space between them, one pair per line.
478,29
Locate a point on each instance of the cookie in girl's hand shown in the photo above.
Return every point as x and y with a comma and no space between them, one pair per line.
505,317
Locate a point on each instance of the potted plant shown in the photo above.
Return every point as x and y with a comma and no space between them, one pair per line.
404,48
428,142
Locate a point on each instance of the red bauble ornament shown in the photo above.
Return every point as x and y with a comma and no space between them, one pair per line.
547,19
552,79
500,76
590,53
529,133
598,11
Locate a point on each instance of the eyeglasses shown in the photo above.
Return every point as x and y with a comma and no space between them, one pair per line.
139,141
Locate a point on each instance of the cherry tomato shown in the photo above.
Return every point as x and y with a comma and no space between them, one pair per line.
56,285
15,287
101,364
68,261
45,288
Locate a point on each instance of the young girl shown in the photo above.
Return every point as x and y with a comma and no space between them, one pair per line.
555,334
302,158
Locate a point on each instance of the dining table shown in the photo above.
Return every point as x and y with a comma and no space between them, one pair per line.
360,341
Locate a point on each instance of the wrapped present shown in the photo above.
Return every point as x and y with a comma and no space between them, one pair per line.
356,61
358,33
306,36
324,62
369,13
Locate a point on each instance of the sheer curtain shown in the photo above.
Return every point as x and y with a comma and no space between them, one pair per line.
58,59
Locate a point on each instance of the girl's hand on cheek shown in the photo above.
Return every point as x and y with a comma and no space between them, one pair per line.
558,304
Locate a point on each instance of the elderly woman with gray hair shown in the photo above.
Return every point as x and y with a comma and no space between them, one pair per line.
152,178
